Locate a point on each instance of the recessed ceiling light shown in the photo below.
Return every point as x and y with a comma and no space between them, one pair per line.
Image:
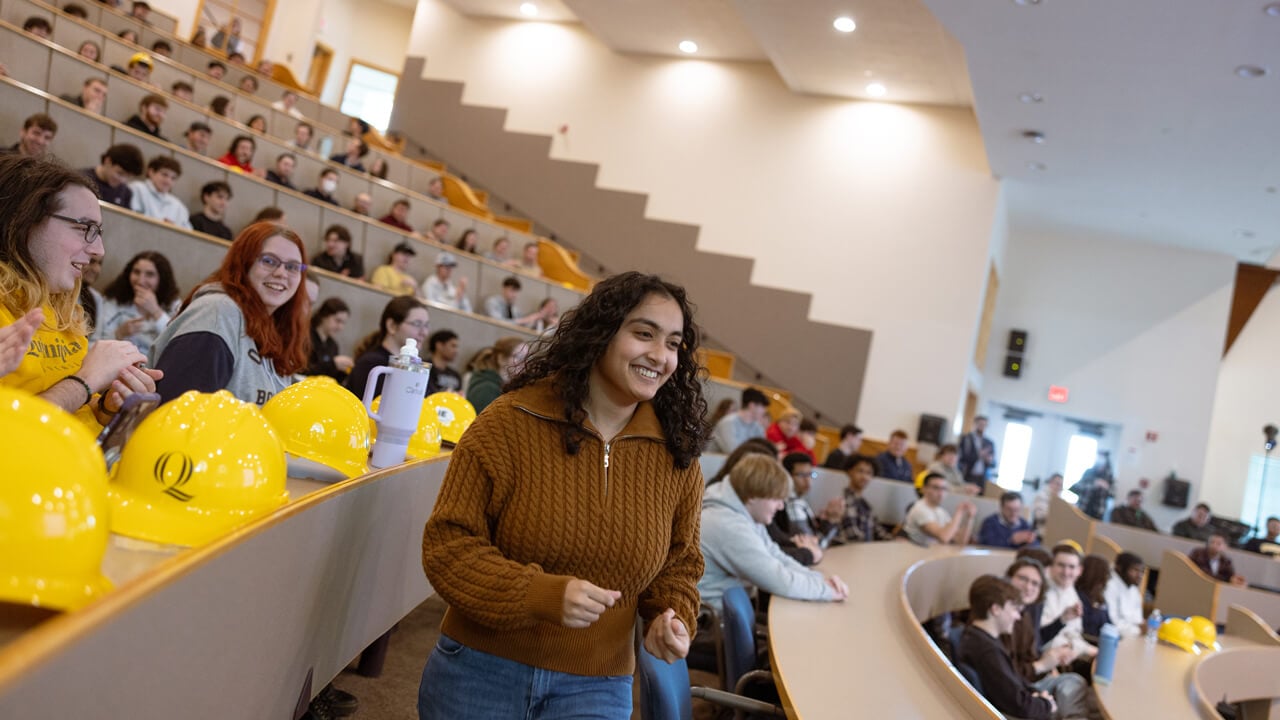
1034,136
1030,97
1026,2
1251,72
1272,9
845,24
688,47
1245,234
876,90
1037,166
528,9
1272,189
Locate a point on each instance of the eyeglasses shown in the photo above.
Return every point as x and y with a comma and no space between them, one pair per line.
92,230
273,263
417,324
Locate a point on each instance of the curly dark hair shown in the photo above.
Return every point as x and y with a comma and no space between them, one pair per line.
121,289
580,340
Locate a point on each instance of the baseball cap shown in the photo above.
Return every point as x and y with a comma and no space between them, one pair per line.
446,258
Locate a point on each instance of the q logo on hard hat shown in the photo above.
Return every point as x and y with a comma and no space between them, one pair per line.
445,415
173,470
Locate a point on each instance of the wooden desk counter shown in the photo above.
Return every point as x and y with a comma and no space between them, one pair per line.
1154,681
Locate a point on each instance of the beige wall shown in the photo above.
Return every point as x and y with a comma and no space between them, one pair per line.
883,212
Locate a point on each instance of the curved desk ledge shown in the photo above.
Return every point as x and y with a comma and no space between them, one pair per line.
1237,675
1154,681
869,655
235,628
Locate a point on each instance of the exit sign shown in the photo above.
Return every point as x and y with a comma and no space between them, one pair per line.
1058,393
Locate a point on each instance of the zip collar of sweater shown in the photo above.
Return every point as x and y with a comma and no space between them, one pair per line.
541,399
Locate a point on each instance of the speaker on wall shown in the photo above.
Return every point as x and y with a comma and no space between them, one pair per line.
1176,492
932,429
1013,366
1017,341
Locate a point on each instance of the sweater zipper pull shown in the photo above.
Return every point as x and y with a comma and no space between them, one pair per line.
606,469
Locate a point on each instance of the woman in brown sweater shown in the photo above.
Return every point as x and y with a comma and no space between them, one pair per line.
570,505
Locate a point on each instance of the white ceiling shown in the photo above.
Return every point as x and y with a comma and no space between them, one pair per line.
1149,134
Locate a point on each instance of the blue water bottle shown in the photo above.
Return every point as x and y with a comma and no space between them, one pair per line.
1108,643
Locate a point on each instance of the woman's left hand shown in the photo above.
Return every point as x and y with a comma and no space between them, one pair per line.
668,638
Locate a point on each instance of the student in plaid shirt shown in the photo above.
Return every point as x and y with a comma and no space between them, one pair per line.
858,521
795,527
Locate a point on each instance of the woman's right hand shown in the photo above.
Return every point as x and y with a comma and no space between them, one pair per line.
837,585
584,603
343,363
106,360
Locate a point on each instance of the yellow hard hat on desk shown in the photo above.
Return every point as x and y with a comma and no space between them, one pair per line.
195,469
1206,632
321,421
425,441
53,506
454,413
1178,632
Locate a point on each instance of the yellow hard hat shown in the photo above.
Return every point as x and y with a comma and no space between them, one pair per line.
321,421
195,469
454,412
1073,545
425,441
1206,632
53,506
1178,632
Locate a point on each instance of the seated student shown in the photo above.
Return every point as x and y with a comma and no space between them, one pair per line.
1213,560
1269,544
90,51
356,149
529,260
38,132
468,241
442,289
439,231
235,58
128,35
248,83
994,609
259,123
151,112
286,104
1062,621
327,321
841,458
183,91
893,463
435,190
1007,528
784,432
228,37
796,528
442,350
337,256
739,427
858,522
1132,514
222,106
1051,489
216,70
1095,571
162,48
38,26
92,97
140,11
500,252
394,276
363,204
403,318
809,437
736,546
1196,527
1030,659
153,196
928,523
550,310
269,214
240,154
946,464
282,173
214,197
325,189
75,11
140,66
115,168
302,135
491,368
398,216
138,305
503,305
1124,596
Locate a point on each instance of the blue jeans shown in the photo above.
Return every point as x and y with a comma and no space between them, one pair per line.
460,682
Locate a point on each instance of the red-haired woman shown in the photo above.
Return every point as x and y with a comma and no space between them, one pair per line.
244,329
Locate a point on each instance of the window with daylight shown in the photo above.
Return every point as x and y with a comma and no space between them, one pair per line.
1082,453
1015,449
370,93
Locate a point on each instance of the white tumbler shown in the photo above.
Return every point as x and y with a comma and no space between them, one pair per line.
397,416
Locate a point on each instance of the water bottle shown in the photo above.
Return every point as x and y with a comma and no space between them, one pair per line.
397,415
1153,626
1108,643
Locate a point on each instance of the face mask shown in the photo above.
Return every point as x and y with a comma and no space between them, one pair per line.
329,185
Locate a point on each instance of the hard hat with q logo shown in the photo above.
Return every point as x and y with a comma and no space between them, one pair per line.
454,413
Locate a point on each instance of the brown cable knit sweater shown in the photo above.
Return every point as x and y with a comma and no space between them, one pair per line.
517,518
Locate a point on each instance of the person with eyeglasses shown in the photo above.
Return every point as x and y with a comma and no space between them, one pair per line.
799,531
52,233
403,317
245,329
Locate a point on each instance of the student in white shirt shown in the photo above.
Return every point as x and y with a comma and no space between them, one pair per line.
154,196
1124,595
1063,608
441,289
928,523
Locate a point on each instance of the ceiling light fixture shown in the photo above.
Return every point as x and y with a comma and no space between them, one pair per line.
528,9
1037,166
877,90
1026,2
1251,72
845,24
1272,9
688,47
1034,136
1030,98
